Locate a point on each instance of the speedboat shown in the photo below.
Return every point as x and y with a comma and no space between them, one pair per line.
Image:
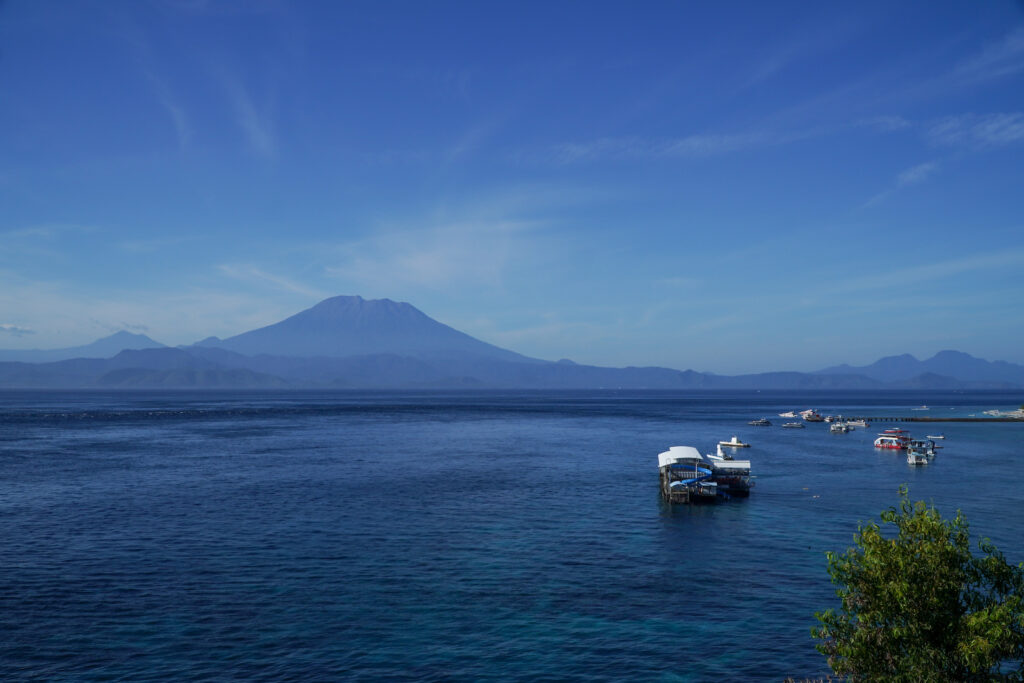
794,425
735,443
838,428
936,436
788,414
760,422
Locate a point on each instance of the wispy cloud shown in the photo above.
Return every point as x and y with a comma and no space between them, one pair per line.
912,176
250,273
255,120
47,231
1004,57
174,108
690,146
16,331
804,43
916,174
978,131
155,244
471,140
65,314
884,124
912,275
470,253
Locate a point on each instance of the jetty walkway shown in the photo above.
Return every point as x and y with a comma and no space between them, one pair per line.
915,418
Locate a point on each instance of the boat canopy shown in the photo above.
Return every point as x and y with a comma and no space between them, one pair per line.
732,465
676,453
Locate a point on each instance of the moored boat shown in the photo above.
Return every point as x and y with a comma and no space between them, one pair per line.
760,422
732,476
811,415
915,458
925,446
794,425
895,439
734,443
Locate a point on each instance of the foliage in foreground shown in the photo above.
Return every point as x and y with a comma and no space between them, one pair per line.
918,606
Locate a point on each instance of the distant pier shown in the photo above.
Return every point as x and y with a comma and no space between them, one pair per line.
869,418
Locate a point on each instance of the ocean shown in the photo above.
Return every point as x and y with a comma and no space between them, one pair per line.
448,535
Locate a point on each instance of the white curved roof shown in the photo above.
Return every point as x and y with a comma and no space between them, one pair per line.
676,453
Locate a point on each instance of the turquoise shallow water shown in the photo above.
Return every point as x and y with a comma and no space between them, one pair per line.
445,536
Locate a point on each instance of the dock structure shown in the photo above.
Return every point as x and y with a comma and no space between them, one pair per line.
915,418
686,477
683,475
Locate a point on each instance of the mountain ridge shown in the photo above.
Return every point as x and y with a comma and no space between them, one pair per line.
948,363
105,347
344,326
351,342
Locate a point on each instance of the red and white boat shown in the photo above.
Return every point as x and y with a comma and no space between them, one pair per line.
896,439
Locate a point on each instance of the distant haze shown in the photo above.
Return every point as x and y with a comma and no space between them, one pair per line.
347,342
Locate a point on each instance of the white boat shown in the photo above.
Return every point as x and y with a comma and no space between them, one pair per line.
789,414
838,428
732,476
894,439
924,446
735,443
857,423
915,458
936,436
811,415
794,425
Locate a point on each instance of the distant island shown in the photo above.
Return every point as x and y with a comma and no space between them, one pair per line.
347,342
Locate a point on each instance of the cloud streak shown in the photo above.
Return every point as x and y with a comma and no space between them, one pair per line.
470,253
256,122
253,274
996,60
16,331
912,176
978,131
687,147
906,276
176,112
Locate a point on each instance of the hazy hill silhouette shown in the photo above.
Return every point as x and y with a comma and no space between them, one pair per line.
351,342
107,347
345,326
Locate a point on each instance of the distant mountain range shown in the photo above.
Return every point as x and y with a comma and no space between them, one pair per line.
351,342
101,348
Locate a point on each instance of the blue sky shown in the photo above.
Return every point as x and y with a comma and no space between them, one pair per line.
725,186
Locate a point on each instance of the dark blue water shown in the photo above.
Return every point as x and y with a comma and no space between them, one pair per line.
446,536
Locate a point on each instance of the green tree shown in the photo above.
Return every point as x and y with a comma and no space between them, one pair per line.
917,605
